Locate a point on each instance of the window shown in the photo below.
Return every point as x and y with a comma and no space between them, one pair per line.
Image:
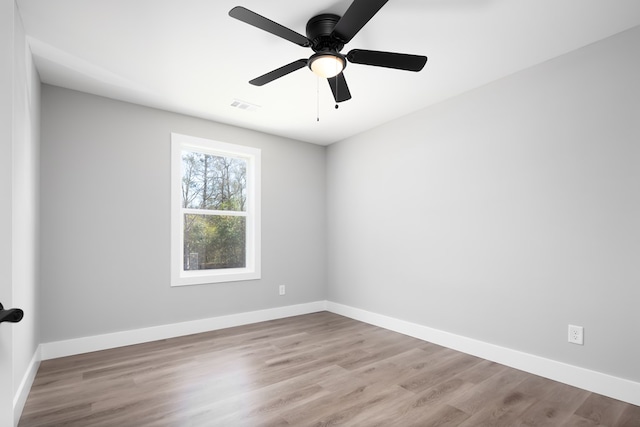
215,211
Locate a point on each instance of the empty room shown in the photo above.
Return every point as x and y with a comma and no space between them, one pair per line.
345,212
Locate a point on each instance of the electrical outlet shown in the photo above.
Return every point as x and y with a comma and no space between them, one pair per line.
282,290
576,334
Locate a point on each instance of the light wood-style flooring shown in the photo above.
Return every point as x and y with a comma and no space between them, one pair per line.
314,370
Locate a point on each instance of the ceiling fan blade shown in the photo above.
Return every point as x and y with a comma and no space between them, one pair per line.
358,14
339,88
400,61
277,73
259,21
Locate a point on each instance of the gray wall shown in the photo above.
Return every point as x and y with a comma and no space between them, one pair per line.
504,214
106,224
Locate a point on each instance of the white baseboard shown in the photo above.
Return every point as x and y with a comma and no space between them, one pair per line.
597,382
24,388
52,350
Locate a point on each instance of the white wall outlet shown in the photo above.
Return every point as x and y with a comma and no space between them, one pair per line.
282,290
576,334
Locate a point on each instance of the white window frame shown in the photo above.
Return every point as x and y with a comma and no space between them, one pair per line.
252,269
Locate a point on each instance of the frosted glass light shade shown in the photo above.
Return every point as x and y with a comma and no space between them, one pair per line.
327,66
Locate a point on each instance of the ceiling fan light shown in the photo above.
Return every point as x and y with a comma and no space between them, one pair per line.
326,65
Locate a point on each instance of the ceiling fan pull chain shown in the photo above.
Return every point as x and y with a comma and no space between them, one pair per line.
337,92
337,77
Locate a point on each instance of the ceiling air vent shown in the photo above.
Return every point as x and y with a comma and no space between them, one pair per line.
243,105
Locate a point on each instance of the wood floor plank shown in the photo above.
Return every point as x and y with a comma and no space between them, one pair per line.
490,392
503,411
312,370
443,416
601,409
423,408
630,416
578,421
401,368
388,347
480,372
446,366
342,408
557,404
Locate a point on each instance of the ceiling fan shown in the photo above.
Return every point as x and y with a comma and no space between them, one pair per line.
326,35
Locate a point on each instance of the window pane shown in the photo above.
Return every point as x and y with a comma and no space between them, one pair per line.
214,242
213,182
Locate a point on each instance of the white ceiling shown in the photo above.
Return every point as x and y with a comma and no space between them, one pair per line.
190,57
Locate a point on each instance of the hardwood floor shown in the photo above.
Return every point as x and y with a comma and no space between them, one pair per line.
314,370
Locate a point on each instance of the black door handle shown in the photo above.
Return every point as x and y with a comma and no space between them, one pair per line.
13,315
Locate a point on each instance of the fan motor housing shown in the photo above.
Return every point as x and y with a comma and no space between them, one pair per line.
319,29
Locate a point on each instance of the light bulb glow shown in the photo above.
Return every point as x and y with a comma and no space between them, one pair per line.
327,66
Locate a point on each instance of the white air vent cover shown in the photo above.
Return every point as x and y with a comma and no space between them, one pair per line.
243,105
